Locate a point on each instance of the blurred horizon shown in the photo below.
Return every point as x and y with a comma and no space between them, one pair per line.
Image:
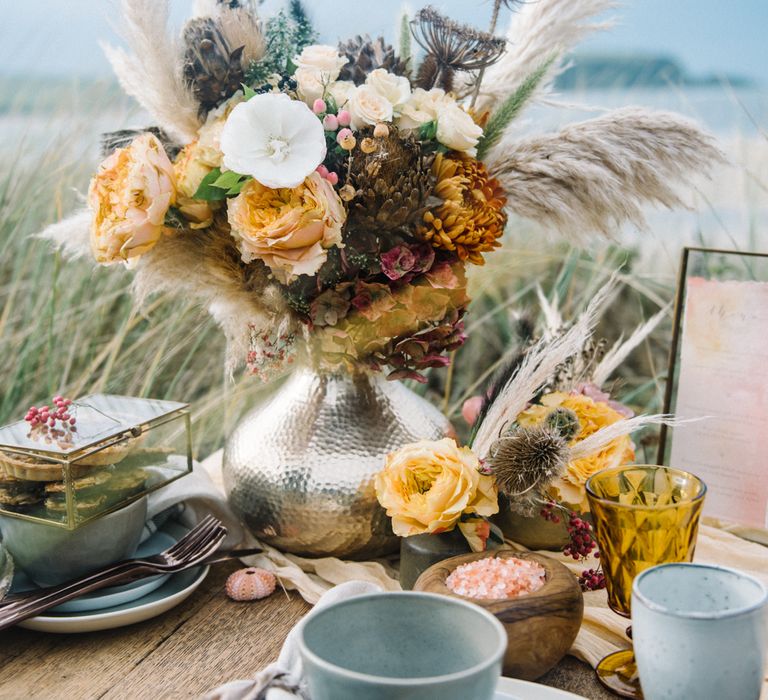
706,38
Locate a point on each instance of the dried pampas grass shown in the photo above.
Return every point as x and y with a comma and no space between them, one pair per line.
622,348
72,236
537,367
605,436
152,71
206,265
539,30
595,175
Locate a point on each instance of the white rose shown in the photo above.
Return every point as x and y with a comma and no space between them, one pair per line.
457,130
340,91
323,59
394,88
422,107
317,67
310,83
368,107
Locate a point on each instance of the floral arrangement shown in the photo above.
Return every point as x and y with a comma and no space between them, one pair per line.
542,429
327,202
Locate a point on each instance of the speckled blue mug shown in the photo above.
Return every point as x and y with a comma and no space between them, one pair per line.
402,646
700,632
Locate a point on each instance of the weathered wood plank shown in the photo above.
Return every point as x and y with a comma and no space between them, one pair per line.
206,641
38,665
226,641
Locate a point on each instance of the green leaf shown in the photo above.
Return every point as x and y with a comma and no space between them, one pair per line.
510,108
330,104
428,131
227,180
248,91
206,191
235,189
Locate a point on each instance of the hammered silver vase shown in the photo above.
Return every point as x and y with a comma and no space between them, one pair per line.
299,468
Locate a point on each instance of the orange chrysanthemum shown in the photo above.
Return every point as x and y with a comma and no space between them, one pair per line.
471,218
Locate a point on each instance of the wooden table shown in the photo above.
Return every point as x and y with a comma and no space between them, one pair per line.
198,645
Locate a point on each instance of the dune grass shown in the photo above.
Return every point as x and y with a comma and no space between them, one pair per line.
70,327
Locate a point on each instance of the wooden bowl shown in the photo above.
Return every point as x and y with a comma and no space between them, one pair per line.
541,626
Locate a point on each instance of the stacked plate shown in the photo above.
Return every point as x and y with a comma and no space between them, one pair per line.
121,605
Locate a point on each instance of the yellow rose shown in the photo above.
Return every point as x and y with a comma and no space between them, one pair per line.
593,415
428,485
130,196
288,228
189,170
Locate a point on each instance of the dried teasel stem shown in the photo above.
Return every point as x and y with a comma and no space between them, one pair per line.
491,30
451,47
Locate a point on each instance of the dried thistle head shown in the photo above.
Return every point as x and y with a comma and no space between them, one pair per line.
565,422
451,47
526,461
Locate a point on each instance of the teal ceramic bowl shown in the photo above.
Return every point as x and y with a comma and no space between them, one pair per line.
402,646
50,555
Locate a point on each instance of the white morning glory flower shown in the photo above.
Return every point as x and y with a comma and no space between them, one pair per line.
274,139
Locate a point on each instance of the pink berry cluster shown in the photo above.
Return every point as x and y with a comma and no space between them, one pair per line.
592,580
333,123
48,416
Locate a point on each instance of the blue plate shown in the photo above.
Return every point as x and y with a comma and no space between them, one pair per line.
116,595
175,590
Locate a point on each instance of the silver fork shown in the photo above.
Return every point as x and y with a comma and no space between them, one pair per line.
191,549
171,556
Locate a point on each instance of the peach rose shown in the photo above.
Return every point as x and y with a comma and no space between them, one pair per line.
189,170
428,485
129,197
288,228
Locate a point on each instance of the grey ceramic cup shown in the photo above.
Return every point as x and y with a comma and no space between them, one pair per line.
50,555
402,646
699,631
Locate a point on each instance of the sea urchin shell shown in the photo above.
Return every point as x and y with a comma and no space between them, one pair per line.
250,584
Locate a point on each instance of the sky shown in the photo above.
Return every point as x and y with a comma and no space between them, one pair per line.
61,37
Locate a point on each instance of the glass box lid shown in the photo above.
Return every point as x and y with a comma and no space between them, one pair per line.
99,419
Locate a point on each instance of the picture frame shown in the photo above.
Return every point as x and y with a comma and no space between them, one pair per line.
715,349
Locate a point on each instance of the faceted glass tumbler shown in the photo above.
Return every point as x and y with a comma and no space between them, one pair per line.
643,515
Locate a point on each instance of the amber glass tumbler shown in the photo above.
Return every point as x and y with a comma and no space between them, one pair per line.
643,515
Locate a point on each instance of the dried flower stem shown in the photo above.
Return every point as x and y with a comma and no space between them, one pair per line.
491,30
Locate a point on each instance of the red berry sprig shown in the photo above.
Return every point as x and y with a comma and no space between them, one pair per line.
592,580
582,543
548,512
48,416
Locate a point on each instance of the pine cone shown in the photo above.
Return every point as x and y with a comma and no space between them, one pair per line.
212,69
366,55
393,183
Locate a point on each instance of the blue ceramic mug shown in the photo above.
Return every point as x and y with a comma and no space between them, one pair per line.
402,646
699,631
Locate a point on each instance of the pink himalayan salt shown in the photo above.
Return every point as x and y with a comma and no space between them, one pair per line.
496,578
